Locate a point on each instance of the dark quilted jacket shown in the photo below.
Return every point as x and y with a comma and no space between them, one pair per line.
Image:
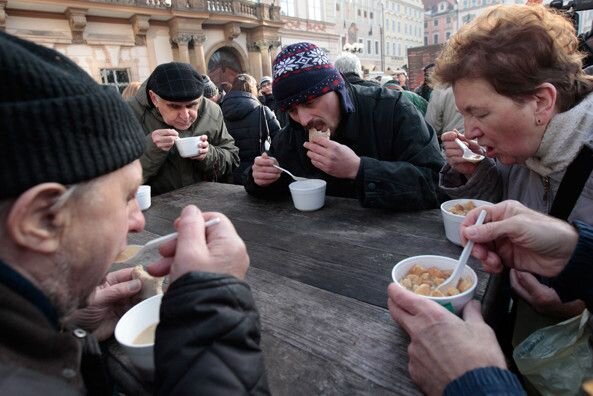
243,118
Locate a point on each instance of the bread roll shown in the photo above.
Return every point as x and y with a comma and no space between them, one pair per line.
314,132
151,286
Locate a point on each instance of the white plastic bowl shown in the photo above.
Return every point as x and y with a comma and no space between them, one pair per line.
129,326
453,221
308,194
188,147
455,303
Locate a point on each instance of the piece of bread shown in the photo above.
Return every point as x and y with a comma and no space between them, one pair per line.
151,286
314,132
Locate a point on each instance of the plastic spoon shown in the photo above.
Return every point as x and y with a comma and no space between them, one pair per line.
157,242
468,155
452,280
297,178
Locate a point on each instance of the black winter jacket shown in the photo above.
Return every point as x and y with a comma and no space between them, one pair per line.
400,157
243,118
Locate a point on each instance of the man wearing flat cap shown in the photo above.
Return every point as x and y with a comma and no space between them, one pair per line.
170,105
380,150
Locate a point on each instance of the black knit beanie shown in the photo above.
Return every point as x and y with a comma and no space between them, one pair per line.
56,123
175,82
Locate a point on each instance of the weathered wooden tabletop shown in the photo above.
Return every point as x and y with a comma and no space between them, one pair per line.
320,283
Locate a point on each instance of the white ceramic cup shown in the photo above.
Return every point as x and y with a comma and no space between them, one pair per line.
129,326
308,195
143,197
453,221
455,303
188,146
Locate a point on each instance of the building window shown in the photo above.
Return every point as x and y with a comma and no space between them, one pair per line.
371,15
425,25
360,13
448,19
117,78
376,48
436,39
436,22
447,35
287,8
361,42
365,14
315,10
338,7
425,40
369,47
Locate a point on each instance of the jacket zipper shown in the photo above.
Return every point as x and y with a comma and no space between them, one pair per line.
546,182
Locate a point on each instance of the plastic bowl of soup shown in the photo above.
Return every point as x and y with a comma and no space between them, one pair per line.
135,332
422,275
454,212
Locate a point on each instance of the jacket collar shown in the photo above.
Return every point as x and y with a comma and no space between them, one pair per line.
23,287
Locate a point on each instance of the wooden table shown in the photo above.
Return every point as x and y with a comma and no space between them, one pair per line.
319,281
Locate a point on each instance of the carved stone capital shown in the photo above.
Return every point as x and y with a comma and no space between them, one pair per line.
77,20
182,39
263,45
140,25
232,30
199,38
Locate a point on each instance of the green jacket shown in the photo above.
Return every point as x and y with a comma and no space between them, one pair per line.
166,170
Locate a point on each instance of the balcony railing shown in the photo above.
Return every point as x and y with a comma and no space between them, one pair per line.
231,7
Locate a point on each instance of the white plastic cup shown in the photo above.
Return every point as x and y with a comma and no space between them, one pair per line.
129,326
452,221
308,195
188,146
455,303
143,197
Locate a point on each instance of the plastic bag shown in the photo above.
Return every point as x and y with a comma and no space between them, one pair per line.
557,359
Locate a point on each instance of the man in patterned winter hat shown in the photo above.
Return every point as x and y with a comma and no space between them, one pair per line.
367,143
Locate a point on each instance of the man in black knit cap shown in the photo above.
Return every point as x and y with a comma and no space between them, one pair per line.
170,105
69,172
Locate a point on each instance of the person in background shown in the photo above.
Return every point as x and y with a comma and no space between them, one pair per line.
453,356
248,121
441,112
65,212
425,89
267,98
402,77
517,78
379,150
413,97
131,90
210,90
170,105
350,67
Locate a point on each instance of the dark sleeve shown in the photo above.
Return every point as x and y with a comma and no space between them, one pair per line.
576,279
485,381
409,180
207,341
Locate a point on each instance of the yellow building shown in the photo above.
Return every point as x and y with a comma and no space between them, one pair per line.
117,41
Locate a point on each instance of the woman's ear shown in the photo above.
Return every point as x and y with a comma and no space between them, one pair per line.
545,102
34,221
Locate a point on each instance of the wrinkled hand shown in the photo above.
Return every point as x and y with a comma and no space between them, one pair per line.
333,158
263,171
107,304
442,346
217,249
164,139
517,237
203,147
542,298
454,153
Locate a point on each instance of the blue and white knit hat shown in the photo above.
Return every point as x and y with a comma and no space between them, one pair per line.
303,72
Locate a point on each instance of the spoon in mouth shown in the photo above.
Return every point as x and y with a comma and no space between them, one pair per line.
469,155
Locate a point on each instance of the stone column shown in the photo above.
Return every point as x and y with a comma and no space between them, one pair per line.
77,19
275,48
182,41
200,61
3,15
266,62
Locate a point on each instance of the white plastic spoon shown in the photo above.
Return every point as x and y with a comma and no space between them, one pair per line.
452,280
469,155
296,178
